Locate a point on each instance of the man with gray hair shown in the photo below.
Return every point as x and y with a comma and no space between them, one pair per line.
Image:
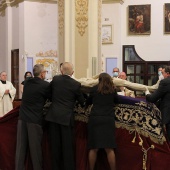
115,72
65,92
29,132
7,94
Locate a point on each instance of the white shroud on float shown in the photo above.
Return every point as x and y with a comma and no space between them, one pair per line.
90,82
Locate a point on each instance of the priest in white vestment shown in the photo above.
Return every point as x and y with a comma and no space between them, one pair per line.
7,94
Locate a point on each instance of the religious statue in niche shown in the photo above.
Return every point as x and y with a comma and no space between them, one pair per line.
50,62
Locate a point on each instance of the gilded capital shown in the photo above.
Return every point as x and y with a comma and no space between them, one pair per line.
113,1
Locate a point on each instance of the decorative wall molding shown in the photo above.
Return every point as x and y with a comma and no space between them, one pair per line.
6,3
113,1
50,64
50,53
61,16
99,17
81,15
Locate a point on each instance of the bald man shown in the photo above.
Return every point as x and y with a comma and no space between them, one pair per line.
65,92
122,75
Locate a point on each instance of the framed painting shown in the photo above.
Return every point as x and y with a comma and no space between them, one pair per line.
167,18
107,34
139,19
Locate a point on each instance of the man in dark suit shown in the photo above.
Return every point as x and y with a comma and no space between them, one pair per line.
29,132
65,91
163,93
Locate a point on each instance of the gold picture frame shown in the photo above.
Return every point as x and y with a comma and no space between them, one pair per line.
167,18
139,19
107,34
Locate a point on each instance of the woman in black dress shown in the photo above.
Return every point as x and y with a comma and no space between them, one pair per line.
101,125
27,75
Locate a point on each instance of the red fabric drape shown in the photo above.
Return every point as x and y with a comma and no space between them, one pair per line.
129,156
8,125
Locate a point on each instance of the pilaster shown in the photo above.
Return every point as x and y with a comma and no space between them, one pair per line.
80,35
69,38
8,36
80,41
94,37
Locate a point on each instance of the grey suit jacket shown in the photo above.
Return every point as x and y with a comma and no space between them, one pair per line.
36,91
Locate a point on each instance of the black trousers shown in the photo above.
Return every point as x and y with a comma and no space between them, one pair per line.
29,135
62,148
168,131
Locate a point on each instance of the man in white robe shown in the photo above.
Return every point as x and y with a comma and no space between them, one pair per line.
7,94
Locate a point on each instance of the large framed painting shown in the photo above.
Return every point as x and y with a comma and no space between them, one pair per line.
167,18
139,19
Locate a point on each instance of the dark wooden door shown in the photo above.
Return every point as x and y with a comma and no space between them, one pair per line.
15,70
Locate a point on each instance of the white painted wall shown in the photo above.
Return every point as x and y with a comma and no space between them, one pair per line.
15,27
9,32
38,31
32,27
2,42
111,15
41,27
153,47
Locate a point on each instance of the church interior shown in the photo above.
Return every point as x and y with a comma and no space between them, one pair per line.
95,36
74,31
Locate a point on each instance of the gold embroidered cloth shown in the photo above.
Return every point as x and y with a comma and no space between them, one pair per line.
134,115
